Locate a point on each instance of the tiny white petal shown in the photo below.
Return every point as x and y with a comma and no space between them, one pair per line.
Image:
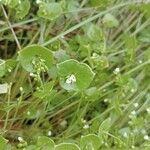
148,110
117,70
136,105
140,61
20,139
28,112
49,133
133,146
133,112
86,126
146,137
125,134
71,79
132,90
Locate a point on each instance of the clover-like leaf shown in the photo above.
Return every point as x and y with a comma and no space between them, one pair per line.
74,75
29,53
110,21
67,146
45,143
90,141
22,9
49,10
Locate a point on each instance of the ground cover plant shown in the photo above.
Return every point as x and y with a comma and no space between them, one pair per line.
74,74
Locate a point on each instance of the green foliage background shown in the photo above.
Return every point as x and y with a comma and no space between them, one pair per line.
74,74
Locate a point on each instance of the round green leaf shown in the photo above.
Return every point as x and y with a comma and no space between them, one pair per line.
28,54
82,73
90,142
110,21
45,143
50,10
22,9
67,146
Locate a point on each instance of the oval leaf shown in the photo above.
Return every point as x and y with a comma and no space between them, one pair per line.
50,10
67,146
74,75
90,142
28,54
45,142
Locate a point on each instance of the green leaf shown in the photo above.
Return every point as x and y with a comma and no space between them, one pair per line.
93,32
45,143
67,146
45,91
80,71
28,54
31,147
61,55
110,21
22,9
10,64
3,143
105,126
49,10
144,35
90,142
10,3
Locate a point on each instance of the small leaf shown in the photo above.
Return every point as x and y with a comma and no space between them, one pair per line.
22,9
110,21
45,91
93,32
61,55
31,147
105,126
50,10
67,146
3,143
45,143
90,142
28,54
81,72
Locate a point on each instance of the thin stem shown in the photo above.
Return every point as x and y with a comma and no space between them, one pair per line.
11,28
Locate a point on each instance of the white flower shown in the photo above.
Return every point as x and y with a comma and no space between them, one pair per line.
148,110
20,139
105,100
83,120
125,134
116,71
136,105
71,79
132,90
38,1
28,112
133,112
86,126
146,137
140,61
132,146
49,133
21,89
